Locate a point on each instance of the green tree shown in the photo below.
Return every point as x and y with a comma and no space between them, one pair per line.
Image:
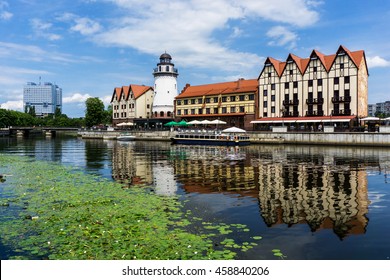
108,117
94,112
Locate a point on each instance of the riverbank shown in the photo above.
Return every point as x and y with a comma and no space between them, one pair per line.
372,139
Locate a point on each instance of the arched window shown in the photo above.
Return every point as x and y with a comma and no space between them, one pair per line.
161,114
155,114
168,114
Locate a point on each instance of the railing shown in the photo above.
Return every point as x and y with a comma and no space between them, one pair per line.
346,112
291,102
341,99
290,114
314,101
314,113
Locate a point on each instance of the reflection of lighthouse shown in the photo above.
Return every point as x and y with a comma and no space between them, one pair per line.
165,87
164,179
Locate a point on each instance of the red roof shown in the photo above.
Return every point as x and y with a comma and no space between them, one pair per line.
326,60
125,90
239,86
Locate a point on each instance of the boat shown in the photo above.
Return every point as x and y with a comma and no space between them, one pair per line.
125,137
210,138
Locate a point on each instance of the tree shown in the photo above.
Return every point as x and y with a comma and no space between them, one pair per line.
94,112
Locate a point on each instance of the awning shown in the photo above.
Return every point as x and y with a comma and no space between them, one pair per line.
326,119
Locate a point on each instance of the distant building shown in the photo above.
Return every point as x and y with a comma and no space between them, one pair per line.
316,90
165,88
231,102
45,98
380,108
132,104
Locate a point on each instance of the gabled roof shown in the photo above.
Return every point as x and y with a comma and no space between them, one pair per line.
139,90
239,86
326,60
116,94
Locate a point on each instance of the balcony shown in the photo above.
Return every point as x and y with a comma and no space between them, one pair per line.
315,101
345,112
290,114
314,113
290,102
341,99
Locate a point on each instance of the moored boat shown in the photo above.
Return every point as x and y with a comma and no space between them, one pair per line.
210,138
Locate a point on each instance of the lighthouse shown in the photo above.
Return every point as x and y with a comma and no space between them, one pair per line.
165,88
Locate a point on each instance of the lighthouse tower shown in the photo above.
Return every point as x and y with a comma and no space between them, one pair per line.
165,88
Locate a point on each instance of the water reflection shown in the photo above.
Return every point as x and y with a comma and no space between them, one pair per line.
325,188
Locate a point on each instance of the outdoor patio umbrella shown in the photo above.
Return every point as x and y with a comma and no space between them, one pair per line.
217,122
205,122
370,119
182,123
194,122
171,123
121,124
233,129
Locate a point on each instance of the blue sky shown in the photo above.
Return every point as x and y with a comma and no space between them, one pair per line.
88,47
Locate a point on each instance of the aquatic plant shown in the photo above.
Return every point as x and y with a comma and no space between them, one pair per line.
50,211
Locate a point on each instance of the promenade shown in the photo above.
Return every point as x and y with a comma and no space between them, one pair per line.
372,139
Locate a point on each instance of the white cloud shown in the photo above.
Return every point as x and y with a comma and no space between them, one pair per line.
281,36
42,29
377,61
4,14
76,98
13,105
83,25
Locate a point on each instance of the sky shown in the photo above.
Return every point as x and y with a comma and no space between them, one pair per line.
89,47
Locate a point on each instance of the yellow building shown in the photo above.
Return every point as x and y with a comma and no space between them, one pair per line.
321,89
132,104
232,102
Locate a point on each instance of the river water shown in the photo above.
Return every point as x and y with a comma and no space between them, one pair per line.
311,202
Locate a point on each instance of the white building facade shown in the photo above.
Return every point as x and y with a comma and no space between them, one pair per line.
45,98
165,88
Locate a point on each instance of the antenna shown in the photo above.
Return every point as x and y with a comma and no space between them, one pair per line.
39,80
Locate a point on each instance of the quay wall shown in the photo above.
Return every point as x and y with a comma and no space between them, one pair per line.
308,138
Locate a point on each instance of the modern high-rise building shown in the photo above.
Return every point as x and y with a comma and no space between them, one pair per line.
44,97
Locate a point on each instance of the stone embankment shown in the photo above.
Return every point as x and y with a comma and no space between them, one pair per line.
309,138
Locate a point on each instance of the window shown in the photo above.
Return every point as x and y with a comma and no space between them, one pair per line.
192,111
319,82
347,93
242,97
232,98
273,97
224,110
208,100
167,68
215,110
341,65
272,86
178,102
148,106
265,103
310,83
295,84
168,113
273,109
192,101
224,99
200,101
265,114
315,69
286,85
161,114
215,99
346,80
179,112
269,74
242,109
185,102
265,92
207,110
232,109
251,97
200,111
336,80
185,111
291,72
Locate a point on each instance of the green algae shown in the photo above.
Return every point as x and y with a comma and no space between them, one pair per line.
51,211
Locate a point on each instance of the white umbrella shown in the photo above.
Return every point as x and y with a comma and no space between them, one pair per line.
370,119
206,122
233,129
121,124
194,122
129,124
217,122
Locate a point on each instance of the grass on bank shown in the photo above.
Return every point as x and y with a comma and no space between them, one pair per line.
49,211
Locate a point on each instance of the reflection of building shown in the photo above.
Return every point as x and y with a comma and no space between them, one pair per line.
127,168
232,102
208,169
323,196
44,98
